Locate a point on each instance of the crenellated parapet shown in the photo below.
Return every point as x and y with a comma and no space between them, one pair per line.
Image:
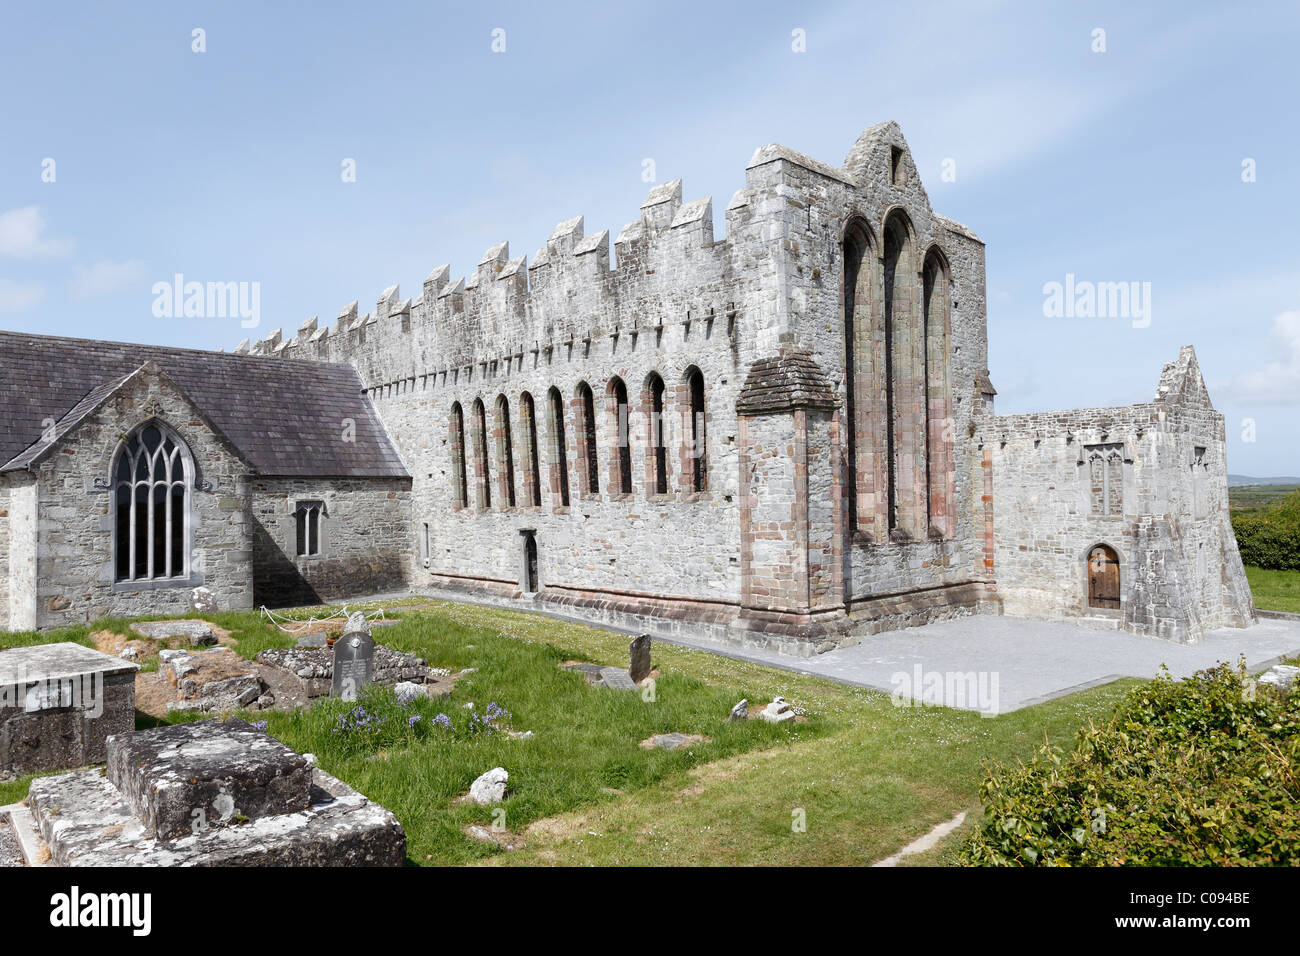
575,289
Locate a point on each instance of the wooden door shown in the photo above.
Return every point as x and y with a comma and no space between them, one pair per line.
1103,578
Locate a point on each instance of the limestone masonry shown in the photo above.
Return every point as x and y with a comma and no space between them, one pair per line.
785,437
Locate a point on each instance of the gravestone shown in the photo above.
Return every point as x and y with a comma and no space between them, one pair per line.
639,652
354,658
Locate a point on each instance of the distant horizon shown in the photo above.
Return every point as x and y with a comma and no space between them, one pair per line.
315,159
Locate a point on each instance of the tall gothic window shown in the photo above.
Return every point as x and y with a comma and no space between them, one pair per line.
559,453
699,445
459,480
532,468
658,443
153,477
483,478
587,437
621,461
505,452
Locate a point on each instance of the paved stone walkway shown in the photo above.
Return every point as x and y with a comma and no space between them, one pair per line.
1019,662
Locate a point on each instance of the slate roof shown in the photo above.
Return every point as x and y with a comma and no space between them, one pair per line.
283,416
791,379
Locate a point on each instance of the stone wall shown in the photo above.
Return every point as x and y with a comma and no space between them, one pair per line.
674,300
1180,572
365,547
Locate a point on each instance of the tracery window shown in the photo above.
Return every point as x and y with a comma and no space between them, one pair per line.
153,477
1105,479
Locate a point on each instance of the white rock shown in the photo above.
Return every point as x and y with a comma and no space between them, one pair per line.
128,654
310,758
777,712
408,687
740,711
489,788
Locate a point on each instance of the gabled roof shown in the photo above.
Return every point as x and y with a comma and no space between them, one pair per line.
283,416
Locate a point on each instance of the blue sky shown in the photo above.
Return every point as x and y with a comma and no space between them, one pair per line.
1115,166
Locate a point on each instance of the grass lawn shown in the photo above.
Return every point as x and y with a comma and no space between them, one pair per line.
1275,590
866,777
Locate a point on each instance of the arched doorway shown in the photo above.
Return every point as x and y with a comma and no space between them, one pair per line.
1103,577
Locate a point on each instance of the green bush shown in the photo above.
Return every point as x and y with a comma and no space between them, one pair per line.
1270,538
1196,772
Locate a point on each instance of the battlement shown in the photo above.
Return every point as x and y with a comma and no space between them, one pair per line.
666,269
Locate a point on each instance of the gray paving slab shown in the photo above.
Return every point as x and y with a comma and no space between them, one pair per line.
1032,660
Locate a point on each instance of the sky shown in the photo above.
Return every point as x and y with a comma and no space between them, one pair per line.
1155,145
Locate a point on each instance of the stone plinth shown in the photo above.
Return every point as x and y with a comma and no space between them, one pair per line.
211,773
59,703
260,805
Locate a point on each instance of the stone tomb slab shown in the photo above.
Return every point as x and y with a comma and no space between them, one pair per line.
615,678
59,703
207,774
85,821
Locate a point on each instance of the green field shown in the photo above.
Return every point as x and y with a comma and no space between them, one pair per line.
1275,590
1247,498
864,776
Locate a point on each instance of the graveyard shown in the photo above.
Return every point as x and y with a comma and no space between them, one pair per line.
529,743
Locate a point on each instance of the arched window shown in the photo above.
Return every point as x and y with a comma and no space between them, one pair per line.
587,439
940,455
698,449
153,476
483,478
620,463
505,452
459,482
658,458
532,477
559,453
865,412
904,382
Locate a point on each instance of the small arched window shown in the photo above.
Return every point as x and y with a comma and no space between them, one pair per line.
559,453
587,438
153,477
459,482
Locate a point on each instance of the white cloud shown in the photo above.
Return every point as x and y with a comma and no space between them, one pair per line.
1277,382
106,278
19,296
22,236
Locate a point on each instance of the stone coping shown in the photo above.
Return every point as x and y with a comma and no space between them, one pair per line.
42,662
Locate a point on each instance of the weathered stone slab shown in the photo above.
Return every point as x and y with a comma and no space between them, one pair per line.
58,705
204,775
86,822
615,678
199,633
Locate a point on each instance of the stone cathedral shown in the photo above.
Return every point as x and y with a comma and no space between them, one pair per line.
783,438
